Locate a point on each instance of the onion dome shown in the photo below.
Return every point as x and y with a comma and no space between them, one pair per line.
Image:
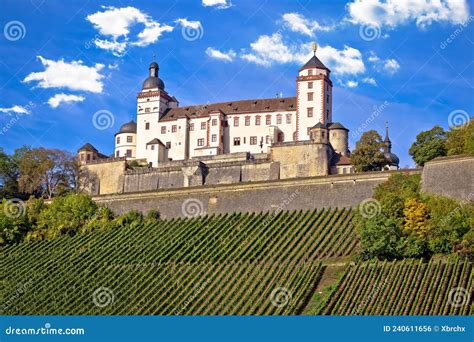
153,81
392,158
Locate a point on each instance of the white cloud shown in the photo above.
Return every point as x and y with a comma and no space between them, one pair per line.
269,50
15,109
116,23
224,56
219,4
151,33
389,66
73,76
369,80
392,13
352,84
57,99
189,23
298,23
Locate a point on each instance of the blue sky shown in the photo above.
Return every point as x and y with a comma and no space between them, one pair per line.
64,61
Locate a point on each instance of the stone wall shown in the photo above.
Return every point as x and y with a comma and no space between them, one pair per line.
105,177
291,194
450,176
301,159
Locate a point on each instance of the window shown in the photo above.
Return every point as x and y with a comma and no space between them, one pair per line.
168,144
310,112
203,125
214,138
253,140
201,142
288,118
247,121
129,153
268,120
147,125
163,129
295,136
129,138
191,127
152,147
173,129
309,131
88,157
279,119
82,157
327,98
117,154
118,140
310,85
214,122
281,137
236,141
310,72
310,96
327,113
236,122
267,139
257,120
147,110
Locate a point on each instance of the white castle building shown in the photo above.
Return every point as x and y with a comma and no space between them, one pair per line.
165,131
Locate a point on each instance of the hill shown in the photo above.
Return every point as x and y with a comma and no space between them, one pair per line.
237,263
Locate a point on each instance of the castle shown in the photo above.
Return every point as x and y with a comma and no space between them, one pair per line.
297,135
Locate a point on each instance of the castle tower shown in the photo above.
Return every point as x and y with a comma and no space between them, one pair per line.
126,141
313,96
152,103
339,138
392,159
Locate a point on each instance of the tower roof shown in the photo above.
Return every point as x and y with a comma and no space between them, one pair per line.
129,127
153,81
87,147
392,158
314,62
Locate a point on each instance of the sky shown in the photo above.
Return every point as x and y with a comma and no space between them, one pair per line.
70,70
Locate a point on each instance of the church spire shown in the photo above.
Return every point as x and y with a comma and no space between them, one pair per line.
315,47
388,143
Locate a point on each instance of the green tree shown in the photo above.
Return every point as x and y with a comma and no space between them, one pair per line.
428,145
460,139
47,172
13,222
368,155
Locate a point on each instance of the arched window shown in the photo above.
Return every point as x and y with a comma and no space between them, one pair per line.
281,137
295,136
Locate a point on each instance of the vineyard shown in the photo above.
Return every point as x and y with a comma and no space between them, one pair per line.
266,263
407,287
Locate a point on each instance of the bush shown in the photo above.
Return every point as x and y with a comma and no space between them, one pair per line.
13,222
66,215
131,219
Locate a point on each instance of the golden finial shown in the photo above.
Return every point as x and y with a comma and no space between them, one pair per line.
315,47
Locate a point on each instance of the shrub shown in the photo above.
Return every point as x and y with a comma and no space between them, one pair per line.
13,224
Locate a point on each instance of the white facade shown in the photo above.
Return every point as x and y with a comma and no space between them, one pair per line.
228,127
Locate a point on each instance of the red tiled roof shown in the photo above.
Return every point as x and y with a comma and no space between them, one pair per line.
233,107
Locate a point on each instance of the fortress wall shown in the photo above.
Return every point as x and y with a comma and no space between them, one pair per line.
260,172
450,176
291,194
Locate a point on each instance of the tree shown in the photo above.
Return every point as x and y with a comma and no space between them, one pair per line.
368,155
460,139
417,215
428,145
47,172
